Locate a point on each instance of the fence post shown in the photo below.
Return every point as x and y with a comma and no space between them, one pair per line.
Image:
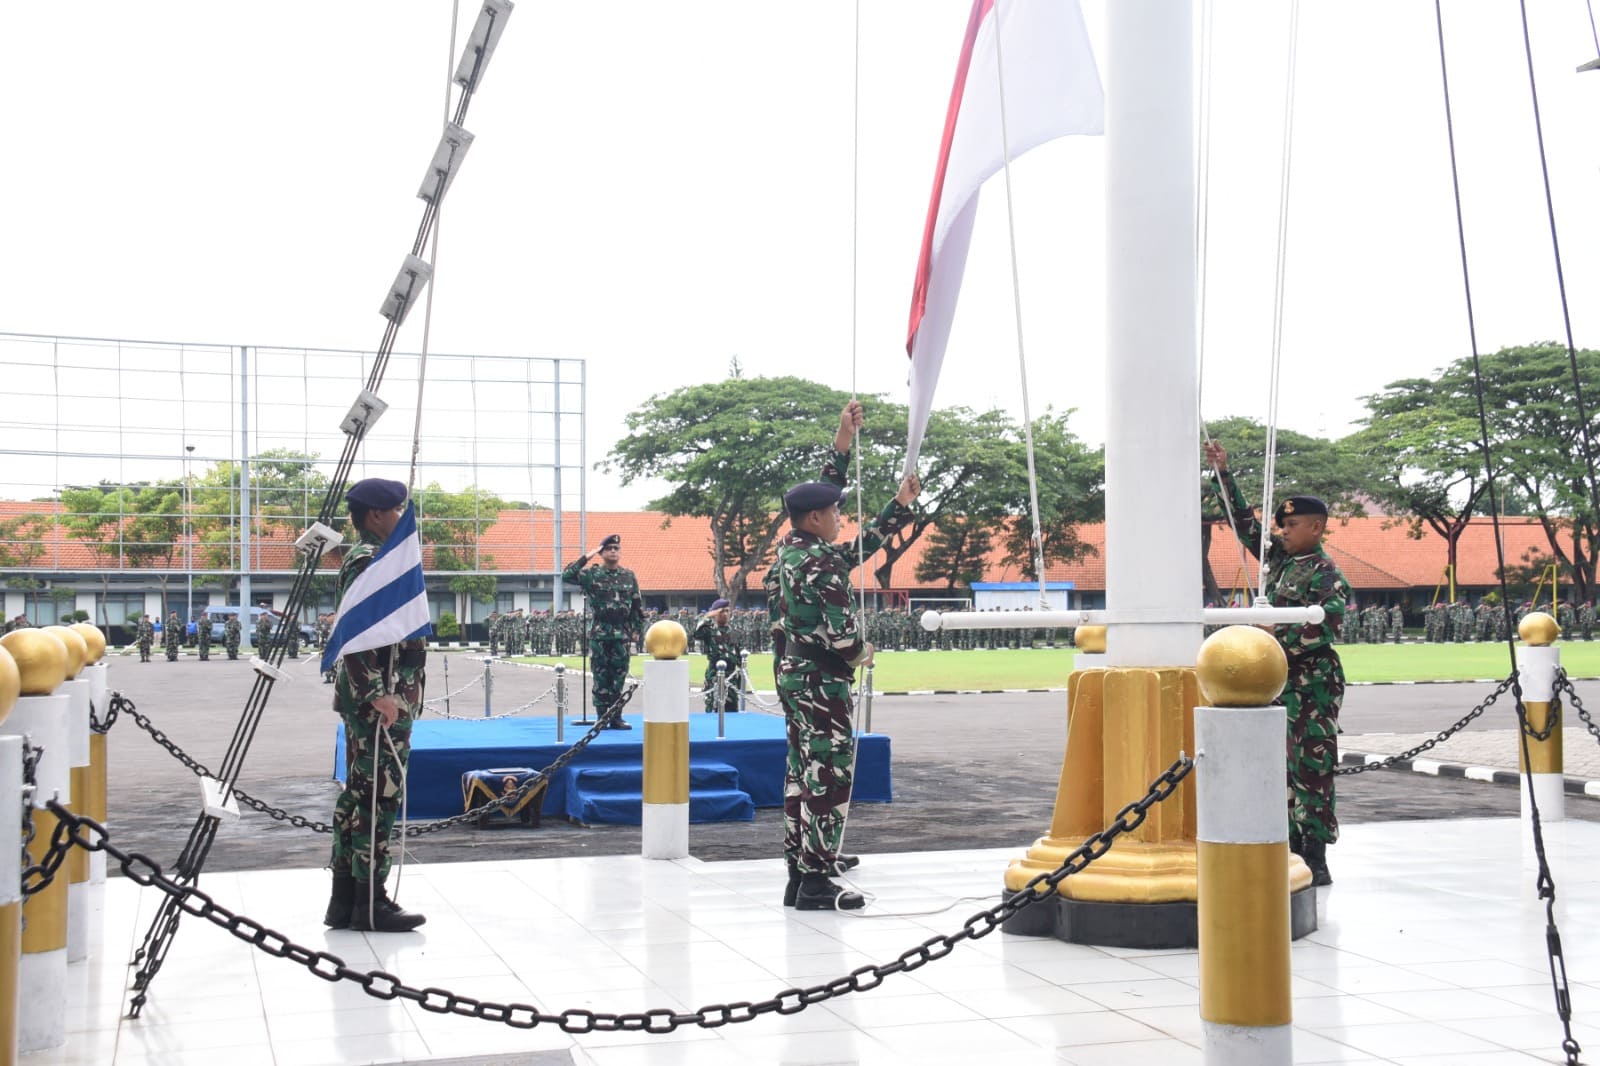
561,702
1242,852
488,687
664,818
720,694
744,677
76,868
1542,768
446,665
866,700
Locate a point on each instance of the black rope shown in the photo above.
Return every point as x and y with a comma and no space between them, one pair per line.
1545,882
1561,277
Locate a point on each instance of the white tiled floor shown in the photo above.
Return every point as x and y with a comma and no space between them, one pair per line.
1430,952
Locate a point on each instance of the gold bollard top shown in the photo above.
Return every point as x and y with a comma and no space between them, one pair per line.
41,658
1090,639
1241,666
93,637
77,648
1538,629
10,683
666,640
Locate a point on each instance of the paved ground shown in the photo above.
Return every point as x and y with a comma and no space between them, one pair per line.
969,771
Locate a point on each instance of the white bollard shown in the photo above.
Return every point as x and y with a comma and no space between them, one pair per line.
77,865
42,975
1242,853
1542,767
99,680
665,816
10,892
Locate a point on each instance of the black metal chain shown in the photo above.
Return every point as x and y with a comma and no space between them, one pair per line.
1442,735
36,876
103,725
412,831
380,984
1564,684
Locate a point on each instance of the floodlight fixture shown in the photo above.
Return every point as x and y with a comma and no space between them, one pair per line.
408,285
453,145
480,45
363,414
1593,64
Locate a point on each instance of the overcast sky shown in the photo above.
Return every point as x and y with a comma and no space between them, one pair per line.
657,187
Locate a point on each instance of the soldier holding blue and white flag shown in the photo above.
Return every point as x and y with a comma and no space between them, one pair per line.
380,655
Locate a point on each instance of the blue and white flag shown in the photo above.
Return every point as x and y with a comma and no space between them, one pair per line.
387,602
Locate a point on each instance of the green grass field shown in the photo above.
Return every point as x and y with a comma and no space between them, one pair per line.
1044,668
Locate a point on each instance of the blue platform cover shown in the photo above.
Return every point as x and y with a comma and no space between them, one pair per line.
444,749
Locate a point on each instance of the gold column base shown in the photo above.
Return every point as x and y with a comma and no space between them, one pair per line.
77,864
44,914
10,964
97,778
1543,756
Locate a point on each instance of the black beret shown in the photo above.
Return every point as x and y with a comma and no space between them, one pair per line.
1299,505
613,541
376,494
717,605
811,496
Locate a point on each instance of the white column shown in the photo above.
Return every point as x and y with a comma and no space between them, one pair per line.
1153,432
99,679
665,816
10,891
76,868
42,975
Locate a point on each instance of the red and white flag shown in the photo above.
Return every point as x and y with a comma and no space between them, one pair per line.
1052,90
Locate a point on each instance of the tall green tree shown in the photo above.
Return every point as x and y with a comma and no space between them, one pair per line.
1420,440
1306,465
1071,486
957,551
729,450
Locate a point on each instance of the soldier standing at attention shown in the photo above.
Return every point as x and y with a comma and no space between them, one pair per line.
231,631
383,685
717,643
202,631
171,636
263,633
1397,622
818,643
146,637
616,612
1300,574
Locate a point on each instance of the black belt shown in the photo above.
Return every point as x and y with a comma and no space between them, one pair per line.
831,661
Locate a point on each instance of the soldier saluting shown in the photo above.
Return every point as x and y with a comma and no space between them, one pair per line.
818,643
718,645
1301,574
616,612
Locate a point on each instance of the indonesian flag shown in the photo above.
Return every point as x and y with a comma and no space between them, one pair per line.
1052,90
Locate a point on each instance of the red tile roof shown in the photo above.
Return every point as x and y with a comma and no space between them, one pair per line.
674,554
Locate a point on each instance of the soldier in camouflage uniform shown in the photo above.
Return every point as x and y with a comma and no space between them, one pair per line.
202,631
171,636
1397,622
146,636
231,632
1301,574
1586,619
817,645
1349,629
717,642
616,611
263,634
380,686
1566,618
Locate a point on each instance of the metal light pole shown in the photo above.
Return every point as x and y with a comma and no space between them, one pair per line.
188,546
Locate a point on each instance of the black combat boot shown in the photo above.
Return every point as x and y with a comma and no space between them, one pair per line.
341,902
1297,841
846,862
384,916
792,889
817,893
1316,856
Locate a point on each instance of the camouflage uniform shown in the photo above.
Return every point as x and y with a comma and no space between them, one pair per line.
263,634
171,636
1315,688
1586,619
146,637
717,642
616,612
202,631
816,643
1397,622
360,846
231,631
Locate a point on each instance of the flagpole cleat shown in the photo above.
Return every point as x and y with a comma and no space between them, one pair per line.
317,540
218,800
268,671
